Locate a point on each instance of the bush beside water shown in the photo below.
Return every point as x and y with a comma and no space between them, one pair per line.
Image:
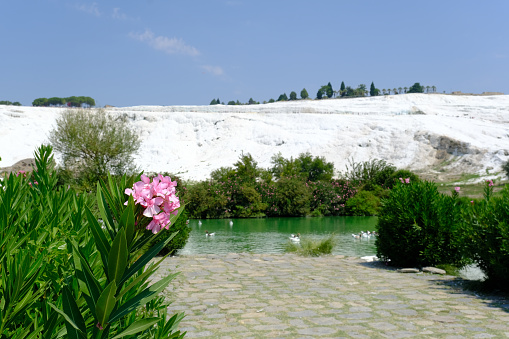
418,226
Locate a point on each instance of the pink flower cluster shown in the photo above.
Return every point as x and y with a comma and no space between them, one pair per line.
457,189
159,199
404,181
490,183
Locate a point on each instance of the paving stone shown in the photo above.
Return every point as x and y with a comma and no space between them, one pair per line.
287,296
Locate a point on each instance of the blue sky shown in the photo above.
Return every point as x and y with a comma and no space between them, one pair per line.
167,52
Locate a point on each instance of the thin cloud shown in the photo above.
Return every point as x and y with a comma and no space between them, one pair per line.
117,14
165,44
216,70
90,9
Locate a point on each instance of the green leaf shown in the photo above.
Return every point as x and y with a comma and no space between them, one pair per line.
142,298
117,258
145,258
106,303
105,211
138,326
75,324
100,239
127,221
85,275
141,277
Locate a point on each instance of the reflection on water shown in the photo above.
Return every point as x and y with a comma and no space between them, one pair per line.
269,235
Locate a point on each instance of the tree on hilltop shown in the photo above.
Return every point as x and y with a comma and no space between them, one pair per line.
329,91
304,94
213,102
416,88
372,90
293,95
342,89
283,97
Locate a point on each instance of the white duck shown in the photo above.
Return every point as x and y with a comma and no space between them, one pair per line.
295,238
231,223
207,234
199,222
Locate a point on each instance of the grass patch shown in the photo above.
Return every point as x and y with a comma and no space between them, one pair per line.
450,269
311,248
470,190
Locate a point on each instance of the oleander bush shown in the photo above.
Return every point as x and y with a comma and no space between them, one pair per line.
65,272
485,235
418,226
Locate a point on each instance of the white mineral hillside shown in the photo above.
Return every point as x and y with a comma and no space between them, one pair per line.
425,132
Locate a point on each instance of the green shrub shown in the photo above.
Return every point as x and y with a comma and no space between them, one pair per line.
485,230
311,248
363,203
400,174
376,171
293,197
93,143
417,226
63,275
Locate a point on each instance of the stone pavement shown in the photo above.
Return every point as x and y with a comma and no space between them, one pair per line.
288,296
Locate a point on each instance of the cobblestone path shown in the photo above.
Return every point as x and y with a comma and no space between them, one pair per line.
288,296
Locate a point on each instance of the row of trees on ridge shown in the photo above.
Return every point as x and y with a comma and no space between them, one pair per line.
327,91
72,101
7,102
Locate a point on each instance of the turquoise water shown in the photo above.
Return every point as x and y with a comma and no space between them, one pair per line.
269,235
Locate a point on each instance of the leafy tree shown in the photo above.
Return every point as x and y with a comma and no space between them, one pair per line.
246,168
218,101
252,102
350,92
6,102
395,90
329,91
372,90
361,90
416,88
282,167
56,101
314,169
319,94
342,89
213,102
93,143
434,88
400,90
293,95
283,97
271,100
304,94
222,173
231,102
40,102
294,196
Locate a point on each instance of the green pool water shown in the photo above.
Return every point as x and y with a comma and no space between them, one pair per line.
269,235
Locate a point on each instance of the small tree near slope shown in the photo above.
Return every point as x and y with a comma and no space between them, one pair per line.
93,143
